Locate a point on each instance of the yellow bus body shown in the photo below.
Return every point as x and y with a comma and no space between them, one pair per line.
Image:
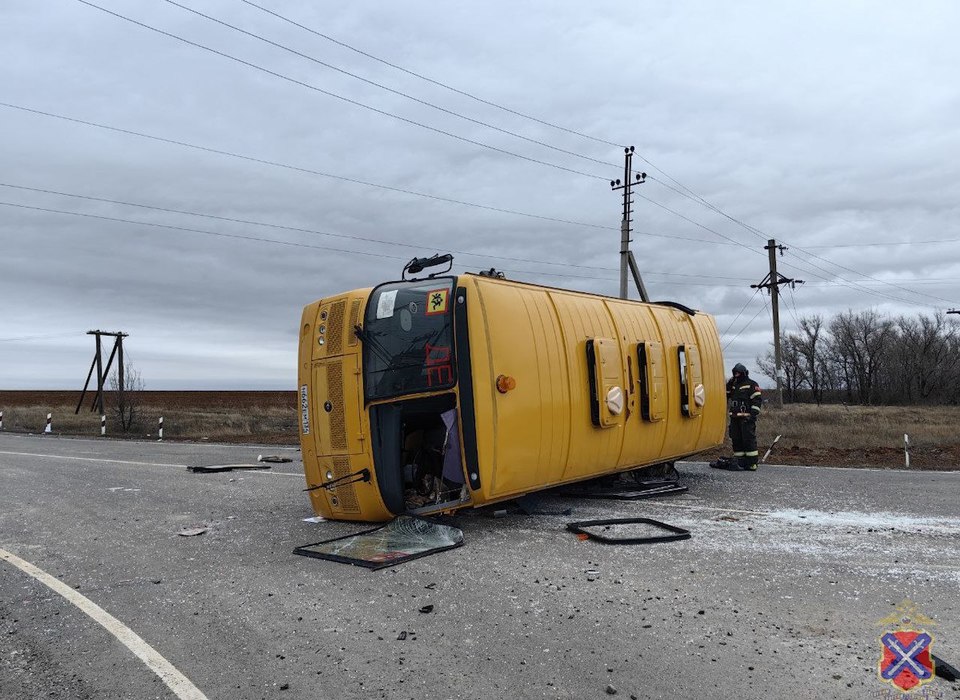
599,385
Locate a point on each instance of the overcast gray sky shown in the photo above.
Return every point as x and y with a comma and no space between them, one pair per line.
832,127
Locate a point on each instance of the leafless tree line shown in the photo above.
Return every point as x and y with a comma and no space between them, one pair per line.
867,358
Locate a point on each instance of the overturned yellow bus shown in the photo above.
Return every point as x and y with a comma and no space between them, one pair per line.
433,394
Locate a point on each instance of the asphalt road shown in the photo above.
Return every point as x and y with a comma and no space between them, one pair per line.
777,594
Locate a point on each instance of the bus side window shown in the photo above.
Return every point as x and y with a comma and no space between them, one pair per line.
607,400
691,380
682,367
652,396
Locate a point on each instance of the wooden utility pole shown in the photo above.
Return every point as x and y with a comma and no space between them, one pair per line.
772,283
627,261
103,373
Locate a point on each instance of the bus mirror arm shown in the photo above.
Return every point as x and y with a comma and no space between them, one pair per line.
361,476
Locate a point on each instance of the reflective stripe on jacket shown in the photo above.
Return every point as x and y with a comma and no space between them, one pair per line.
744,396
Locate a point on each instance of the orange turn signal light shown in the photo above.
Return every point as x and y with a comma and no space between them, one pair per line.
505,383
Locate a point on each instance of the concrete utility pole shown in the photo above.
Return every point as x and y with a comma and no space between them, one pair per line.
626,255
772,283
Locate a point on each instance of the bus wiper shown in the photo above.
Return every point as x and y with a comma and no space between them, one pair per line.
366,338
362,475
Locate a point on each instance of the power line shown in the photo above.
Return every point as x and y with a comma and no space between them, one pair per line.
883,245
40,337
742,309
296,229
309,171
748,324
263,161
891,284
433,81
677,187
343,178
342,98
294,244
387,88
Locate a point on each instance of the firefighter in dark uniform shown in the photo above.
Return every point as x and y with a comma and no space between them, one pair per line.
744,401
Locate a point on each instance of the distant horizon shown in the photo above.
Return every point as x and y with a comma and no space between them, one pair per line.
147,389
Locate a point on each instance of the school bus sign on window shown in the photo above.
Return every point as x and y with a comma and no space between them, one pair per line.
455,391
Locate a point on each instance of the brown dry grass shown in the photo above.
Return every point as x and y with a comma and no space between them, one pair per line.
860,435
827,435
220,416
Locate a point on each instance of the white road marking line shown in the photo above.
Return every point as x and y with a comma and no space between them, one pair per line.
91,459
125,461
148,441
176,681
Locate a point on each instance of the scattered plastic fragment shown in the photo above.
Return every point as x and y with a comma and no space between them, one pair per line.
401,636
273,458
192,531
213,468
945,670
315,519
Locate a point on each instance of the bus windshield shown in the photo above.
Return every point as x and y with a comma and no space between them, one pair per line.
408,338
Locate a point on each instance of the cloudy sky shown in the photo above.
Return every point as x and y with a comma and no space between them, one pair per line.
195,185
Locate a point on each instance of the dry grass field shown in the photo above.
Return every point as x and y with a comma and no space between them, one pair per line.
869,436
218,416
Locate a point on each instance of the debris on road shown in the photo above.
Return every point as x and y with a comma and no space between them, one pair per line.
426,609
401,636
627,489
276,459
192,531
402,539
214,468
945,670
678,533
315,519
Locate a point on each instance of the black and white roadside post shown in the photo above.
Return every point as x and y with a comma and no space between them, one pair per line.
160,430
49,428
103,425
627,261
1,420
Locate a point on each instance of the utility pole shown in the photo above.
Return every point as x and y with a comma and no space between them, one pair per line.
102,373
626,255
772,283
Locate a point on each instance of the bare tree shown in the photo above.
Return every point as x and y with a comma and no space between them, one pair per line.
792,368
928,365
126,405
810,345
858,345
